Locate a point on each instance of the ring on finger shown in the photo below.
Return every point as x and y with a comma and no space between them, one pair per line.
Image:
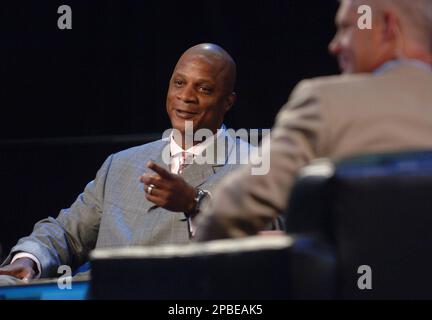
150,188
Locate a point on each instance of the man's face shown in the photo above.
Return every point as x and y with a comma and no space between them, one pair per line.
357,50
197,93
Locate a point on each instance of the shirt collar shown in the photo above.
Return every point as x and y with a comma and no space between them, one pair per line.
198,149
394,63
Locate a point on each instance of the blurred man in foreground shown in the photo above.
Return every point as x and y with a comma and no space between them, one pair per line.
382,103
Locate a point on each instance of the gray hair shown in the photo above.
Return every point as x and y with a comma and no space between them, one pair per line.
418,14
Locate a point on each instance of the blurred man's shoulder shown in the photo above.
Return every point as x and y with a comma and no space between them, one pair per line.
335,82
398,75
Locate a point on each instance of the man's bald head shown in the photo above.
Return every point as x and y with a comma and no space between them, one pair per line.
216,55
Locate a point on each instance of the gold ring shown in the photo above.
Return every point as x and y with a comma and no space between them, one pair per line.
150,189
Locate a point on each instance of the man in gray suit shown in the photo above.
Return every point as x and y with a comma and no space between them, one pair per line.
382,103
138,197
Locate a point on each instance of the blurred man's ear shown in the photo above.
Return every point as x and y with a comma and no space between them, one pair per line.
392,34
232,98
391,29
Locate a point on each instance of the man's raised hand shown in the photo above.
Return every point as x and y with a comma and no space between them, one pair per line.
168,190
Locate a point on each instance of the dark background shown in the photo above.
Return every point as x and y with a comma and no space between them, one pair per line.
69,98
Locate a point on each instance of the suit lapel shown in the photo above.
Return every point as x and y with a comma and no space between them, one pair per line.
163,156
159,153
198,174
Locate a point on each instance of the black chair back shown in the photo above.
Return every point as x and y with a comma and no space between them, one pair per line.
376,212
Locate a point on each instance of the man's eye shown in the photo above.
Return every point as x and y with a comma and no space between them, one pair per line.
206,90
178,83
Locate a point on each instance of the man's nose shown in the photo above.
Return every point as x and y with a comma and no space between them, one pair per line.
187,95
334,46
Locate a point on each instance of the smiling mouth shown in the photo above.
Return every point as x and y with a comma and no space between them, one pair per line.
185,114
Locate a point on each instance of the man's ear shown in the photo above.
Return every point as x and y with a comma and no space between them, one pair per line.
391,27
232,98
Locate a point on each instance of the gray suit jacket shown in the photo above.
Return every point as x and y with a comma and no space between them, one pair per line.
332,117
113,210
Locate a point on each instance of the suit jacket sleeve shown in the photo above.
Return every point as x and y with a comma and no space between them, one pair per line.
243,203
69,238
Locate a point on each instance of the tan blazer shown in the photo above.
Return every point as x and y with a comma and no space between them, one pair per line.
331,117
